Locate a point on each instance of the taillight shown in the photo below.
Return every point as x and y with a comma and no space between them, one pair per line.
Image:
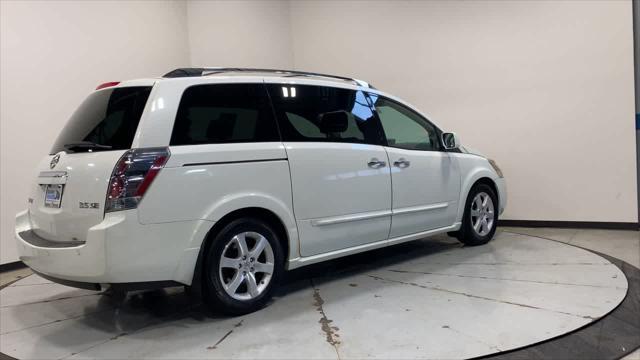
132,176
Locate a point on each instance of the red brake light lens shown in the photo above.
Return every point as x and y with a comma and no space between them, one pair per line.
107,84
132,176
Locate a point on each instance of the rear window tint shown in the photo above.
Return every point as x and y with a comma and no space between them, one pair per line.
224,113
108,118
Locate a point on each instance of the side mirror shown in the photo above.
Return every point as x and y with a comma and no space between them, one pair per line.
334,122
450,141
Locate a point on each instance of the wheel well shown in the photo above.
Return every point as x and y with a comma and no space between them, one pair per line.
487,181
254,212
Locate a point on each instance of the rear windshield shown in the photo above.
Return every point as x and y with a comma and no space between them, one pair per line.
106,120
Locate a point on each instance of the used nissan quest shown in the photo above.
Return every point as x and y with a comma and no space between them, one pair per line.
221,179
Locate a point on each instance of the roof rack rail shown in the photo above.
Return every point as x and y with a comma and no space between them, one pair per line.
190,72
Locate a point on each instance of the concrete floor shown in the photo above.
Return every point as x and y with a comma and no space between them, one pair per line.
395,302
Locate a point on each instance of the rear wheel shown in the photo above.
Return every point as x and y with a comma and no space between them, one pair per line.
242,267
480,216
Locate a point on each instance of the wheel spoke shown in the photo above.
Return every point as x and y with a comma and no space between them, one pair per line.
476,226
490,215
226,262
475,213
485,227
261,243
252,286
478,202
232,287
241,240
484,202
263,268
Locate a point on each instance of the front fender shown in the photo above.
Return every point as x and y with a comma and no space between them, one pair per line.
470,177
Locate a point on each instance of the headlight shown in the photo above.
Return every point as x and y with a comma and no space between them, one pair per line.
495,167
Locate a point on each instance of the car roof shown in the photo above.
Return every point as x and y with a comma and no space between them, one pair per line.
264,73
203,75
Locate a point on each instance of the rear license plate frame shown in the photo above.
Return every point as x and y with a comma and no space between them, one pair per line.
53,195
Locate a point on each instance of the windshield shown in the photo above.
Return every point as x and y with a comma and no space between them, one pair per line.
106,120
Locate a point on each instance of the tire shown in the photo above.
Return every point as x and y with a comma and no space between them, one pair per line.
241,283
481,233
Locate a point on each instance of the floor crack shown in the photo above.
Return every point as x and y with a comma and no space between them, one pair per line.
325,323
480,297
225,336
501,279
49,300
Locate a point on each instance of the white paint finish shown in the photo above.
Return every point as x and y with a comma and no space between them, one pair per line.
87,178
472,169
240,34
333,179
408,315
212,191
51,55
349,218
306,260
537,85
225,153
110,254
431,179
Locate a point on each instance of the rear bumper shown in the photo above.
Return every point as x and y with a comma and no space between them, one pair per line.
148,285
118,251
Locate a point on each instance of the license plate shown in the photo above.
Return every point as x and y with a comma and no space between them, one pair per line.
53,195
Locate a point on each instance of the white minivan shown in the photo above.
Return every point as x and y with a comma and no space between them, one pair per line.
223,178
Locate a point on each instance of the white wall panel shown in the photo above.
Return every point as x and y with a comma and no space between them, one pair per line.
240,34
52,55
544,87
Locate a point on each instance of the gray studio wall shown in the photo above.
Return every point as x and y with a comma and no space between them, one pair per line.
545,88
240,34
52,54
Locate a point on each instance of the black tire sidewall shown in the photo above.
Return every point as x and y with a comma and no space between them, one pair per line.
215,295
468,235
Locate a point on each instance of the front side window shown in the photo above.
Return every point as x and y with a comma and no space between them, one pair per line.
224,113
404,128
324,114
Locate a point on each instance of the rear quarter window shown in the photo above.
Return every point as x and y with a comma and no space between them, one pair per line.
224,113
108,118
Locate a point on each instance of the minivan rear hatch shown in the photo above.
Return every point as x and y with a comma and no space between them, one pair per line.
69,195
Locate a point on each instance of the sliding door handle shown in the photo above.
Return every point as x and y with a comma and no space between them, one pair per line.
402,163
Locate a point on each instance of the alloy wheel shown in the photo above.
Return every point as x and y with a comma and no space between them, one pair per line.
482,214
246,265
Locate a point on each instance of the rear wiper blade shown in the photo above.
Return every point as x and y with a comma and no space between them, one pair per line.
86,145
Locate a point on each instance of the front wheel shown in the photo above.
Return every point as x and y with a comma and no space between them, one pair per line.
242,267
480,216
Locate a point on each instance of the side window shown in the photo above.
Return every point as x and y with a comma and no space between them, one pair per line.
404,128
319,113
224,113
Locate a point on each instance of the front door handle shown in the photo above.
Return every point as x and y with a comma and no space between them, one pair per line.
376,164
402,163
